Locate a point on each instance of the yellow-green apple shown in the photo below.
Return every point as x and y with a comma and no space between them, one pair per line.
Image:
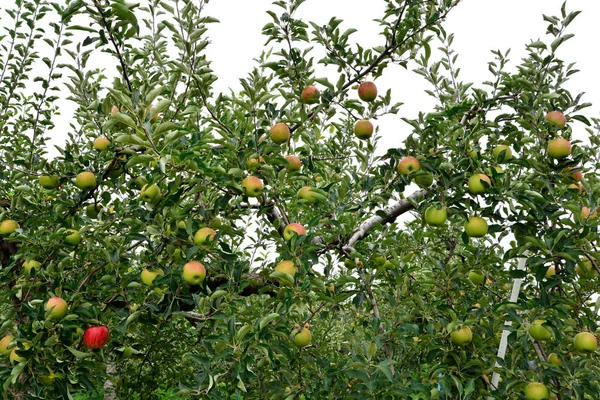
502,153
367,91
408,165
555,359
8,226
306,194
286,267
476,227
139,182
539,331
585,342
29,265
310,95
216,223
56,308
252,186
477,277
577,175
475,184
536,391
96,337
49,181
436,216
14,357
280,133
147,276
4,344
559,148
115,171
294,162
461,337
253,164
204,236
363,129
85,180
585,269
72,237
556,118
181,225
289,230
150,193
193,273
424,179
101,144
550,272
92,210
302,337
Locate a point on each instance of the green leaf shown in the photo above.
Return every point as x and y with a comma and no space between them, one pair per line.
78,354
271,317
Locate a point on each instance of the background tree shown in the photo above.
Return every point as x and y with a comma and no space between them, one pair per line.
245,245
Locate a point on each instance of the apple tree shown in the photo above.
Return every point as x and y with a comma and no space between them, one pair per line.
248,244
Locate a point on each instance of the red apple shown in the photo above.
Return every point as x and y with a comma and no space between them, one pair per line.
408,165
310,95
194,272
96,337
556,118
577,175
294,163
367,91
292,228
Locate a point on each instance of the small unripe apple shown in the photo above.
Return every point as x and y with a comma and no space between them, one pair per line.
408,165
363,129
475,185
72,237
92,210
193,273
96,337
556,118
8,227
57,307
536,391
302,338
585,342
462,337
559,148
280,133
204,236
310,95
115,171
555,359
424,180
31,265
286,267
139,182
101,144
306,194
292,228
502,153
114,110
253,164
86,180
147,276
435,216
252,186
367,91
477,277
48,181
476,227
550,272
216,223
539,332
4,344
150,193
294,163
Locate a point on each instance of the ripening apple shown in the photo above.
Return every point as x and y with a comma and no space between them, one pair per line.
424,180
477,277
536,391
4,344
585,342
585,269
253,164
577,176
502,153
292,228
294,163
57,308
92,210
363,129
204,236
461,337
252,186
408,165
310,95
367,91
114,110
303,337
556,118
8,227
72,237
48,181
475,185
280,133
86,180
96,337
150,193
555,359
436,216
193,273
476,227
286,267
147,276
559,148
306,194
30,265
101,144
14,357
539,332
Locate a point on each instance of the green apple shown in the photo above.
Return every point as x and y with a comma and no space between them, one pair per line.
363,129
585,269
310,95
72,237
86,180
150,193
56,308
556,118
461,337
4,344
194,273
101,144
436,216
139,182
303,337
286,267
475,183
31,265
204,236
216,223
539,332
147,276
555,359
585,342
502,153
536,391
280,133
289,230
550,272
476,227
477,277
408,165
115,171
252,186
424,179
49,181
367,91
559,148
92,210
306,194
8,227
294,163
